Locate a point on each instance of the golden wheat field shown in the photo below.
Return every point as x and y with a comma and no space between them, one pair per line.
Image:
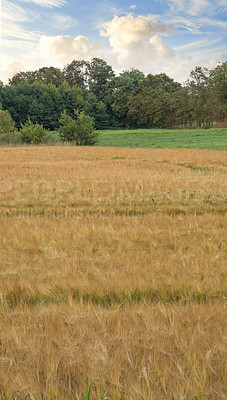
113,268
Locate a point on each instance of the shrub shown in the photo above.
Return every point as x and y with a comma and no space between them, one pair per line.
67,129
52,138
79,131
6,122
8,132
32,133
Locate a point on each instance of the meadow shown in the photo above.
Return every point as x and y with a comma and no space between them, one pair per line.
214,138
113,268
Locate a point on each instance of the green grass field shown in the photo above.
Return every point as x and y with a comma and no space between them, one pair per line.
165,138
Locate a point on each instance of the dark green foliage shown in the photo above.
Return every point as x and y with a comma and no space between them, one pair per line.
38,101
8,133
46,75
6,122
67,128
74,73
32,133
80,131
129,100
86,135
72,97
97,109
127,84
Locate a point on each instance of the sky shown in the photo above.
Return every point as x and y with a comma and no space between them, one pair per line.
154,36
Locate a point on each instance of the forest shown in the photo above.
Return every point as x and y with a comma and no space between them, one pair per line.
129,100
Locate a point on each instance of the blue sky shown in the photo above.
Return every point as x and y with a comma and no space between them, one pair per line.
171,36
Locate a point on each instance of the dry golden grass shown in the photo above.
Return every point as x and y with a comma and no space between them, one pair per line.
137,352
113,266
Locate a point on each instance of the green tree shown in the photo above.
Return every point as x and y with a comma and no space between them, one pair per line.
161,82
32,133
97,109
126,84
197,86
8,133
101,82
86,135
75,73
80,131
45,74
73,98
152,106
100,79
6,122
46,105
218,91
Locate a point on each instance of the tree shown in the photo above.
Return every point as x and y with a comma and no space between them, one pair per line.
100,79
8,133
97,109
46,105
126,84
218,91
86,135
101,82
44,74
73,98
152,105
197,86
32,133
160,81
80,130
75,73
6,122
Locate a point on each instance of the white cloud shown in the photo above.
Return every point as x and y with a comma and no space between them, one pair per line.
192,7
64,22
128,29
47,3
179,68
10,67
197,44
64,49
135,41
13,19
13,12
15,31
212,63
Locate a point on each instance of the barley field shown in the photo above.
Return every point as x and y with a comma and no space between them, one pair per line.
113,273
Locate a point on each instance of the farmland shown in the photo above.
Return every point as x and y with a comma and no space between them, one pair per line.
113,267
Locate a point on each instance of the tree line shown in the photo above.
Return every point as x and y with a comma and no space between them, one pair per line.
130,100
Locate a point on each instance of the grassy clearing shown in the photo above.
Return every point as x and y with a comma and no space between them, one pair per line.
213,139
165,138
113,267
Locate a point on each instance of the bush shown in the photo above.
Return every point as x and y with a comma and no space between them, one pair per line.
79,131
32,133
52,138
8,133
10,138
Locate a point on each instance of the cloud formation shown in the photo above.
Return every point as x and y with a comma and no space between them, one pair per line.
192,7
13,12
136,40
12,68
65,49
129,29
47,3
63,22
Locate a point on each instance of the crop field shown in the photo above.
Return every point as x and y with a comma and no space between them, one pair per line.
166,138
113,270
